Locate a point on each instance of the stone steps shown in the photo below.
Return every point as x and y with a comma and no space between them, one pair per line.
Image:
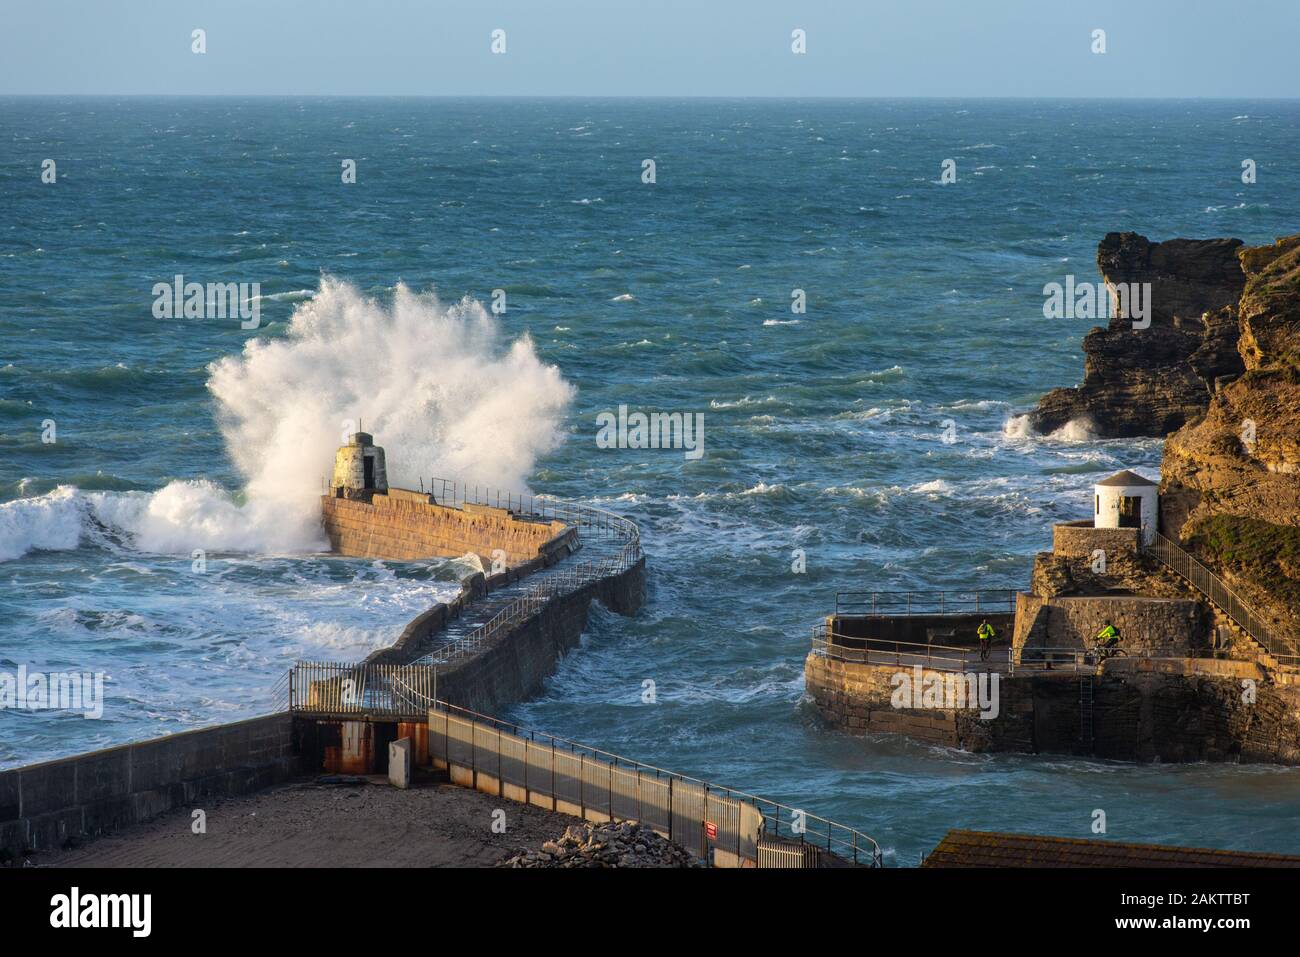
1291,673
595,548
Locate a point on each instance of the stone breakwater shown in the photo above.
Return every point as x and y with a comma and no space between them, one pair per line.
1153,710
495,643
402,525
625,844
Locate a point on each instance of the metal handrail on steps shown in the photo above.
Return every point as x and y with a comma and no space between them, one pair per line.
559,582
1196,574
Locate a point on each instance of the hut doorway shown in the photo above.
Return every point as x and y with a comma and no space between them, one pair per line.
1130,512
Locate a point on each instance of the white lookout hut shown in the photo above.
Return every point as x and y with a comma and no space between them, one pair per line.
359,467
1127,500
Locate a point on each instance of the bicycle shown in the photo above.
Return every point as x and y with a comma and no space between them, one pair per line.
1100,652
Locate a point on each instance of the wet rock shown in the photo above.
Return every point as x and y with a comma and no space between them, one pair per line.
1152,381
1231,480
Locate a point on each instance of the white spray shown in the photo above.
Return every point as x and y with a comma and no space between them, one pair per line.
435,384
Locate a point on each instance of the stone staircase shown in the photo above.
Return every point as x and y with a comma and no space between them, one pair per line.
597,553
1288,672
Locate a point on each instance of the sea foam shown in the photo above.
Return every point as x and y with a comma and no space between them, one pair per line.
436,384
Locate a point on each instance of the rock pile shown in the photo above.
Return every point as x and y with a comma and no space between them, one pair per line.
625,844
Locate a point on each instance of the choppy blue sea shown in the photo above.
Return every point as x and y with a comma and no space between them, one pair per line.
823,429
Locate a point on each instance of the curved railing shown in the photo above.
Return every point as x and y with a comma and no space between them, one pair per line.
904,654
586,519
410,692
902,603
1196,574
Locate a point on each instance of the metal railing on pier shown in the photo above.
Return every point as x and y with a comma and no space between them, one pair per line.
1195,573
1082,660
905,654
550,766
586,519
897,603
338,688
933,657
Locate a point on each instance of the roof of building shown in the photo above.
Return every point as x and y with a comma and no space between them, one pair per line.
1126,478
960,848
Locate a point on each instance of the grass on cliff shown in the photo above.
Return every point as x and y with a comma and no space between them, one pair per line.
1266,554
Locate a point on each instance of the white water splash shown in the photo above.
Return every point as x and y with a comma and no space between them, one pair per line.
435,384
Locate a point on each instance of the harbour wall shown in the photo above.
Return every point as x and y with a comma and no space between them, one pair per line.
1167,710
1148,626
45,806
512,665
854,631
402,525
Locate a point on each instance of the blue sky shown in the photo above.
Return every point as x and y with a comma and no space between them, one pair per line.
1155,48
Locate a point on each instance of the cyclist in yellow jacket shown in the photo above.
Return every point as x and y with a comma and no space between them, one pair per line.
986,633
1108,637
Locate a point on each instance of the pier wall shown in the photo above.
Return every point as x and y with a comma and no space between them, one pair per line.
513,665
1167,710
402,525
857,697
44,806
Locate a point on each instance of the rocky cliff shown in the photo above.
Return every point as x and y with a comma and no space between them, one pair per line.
1231,480
1151,381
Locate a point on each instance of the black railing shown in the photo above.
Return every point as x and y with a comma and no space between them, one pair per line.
322,689
991,601
1195,573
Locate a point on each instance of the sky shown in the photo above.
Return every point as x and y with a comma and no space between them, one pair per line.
855,48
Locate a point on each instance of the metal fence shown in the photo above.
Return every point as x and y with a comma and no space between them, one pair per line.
905,654
979,601
586,519
1081,660
335,688
1216,589
706,819
773,853
533,766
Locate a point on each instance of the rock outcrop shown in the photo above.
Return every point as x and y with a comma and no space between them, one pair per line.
1231,480
622,844
1152,381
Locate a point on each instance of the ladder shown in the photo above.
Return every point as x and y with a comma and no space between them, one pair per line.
1085,714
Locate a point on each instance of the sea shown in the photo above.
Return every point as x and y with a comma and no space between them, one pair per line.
850,293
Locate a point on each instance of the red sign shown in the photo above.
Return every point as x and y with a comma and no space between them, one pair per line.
710,830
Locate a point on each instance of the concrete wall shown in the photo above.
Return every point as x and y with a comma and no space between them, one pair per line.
1170,711
43,806
1163,627
406,526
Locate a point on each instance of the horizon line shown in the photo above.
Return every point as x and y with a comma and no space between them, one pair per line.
639,96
